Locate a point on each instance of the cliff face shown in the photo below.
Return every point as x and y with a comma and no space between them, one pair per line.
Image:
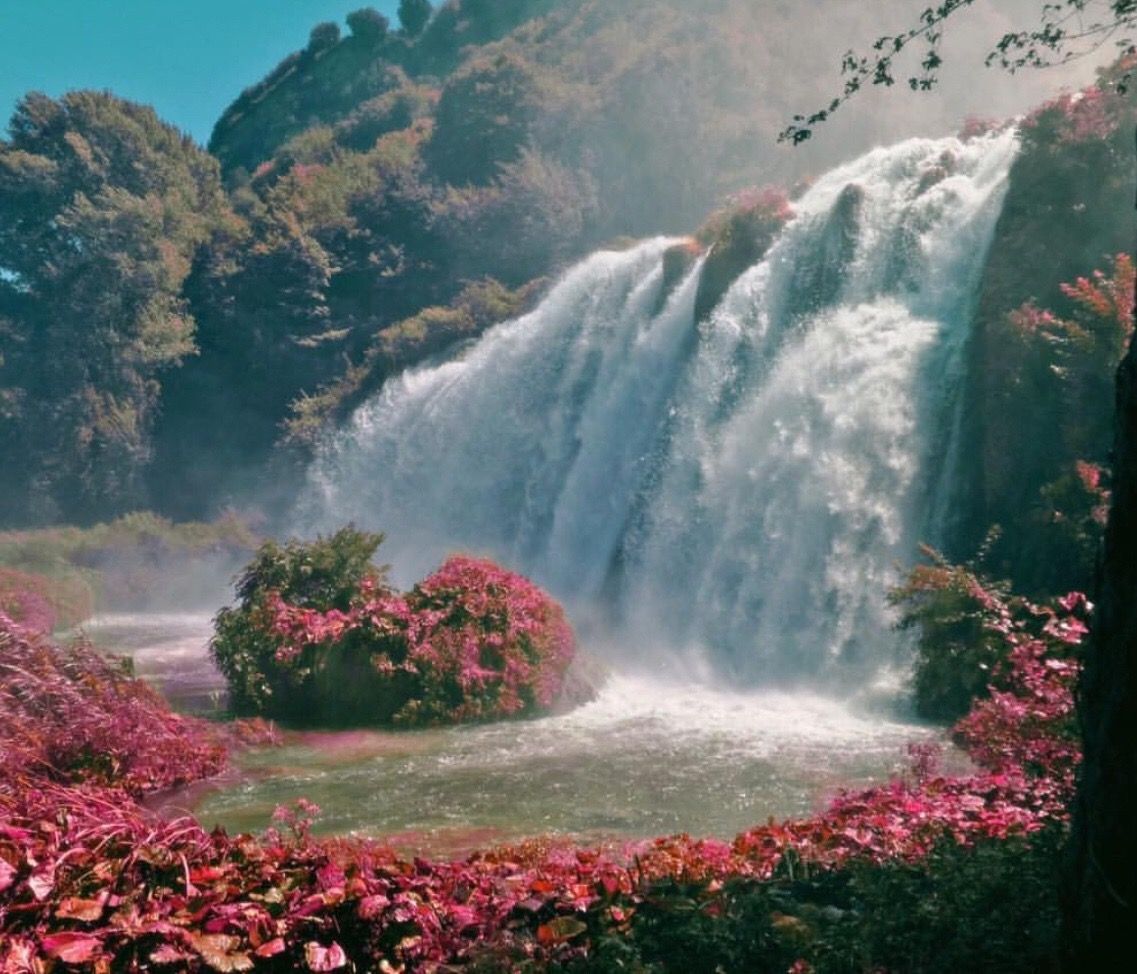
1033,409
1101,893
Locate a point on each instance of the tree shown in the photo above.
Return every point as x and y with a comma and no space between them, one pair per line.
323,37
414,16
1066,30
368,25
102,208
485,116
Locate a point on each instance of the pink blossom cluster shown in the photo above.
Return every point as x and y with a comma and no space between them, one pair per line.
475,641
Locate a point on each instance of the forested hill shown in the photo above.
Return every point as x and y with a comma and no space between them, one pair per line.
169,316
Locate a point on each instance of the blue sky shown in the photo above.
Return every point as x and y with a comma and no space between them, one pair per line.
187,58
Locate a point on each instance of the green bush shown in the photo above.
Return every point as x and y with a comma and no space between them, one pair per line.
991,906
957,655
321,575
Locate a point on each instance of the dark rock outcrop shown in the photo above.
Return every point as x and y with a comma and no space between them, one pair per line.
817,283
740,235
1101,892
678,260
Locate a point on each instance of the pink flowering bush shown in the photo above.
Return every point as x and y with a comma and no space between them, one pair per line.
1074,118
69,715
472,642
758,212
971,634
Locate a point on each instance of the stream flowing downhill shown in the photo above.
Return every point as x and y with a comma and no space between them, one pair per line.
722,505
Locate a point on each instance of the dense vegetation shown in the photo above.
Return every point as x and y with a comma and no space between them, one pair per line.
168,315
882,879
104,208
319,638
1054,317
133,562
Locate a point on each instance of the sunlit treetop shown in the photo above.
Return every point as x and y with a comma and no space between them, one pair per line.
1065,31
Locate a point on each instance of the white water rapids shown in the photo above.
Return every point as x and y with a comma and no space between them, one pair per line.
742,491
647,756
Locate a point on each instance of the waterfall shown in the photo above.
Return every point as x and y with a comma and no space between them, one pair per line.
743,489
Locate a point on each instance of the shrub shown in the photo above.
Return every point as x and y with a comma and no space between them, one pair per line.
486,114
323,37
368,24
992,906
322,575
69,715
972,634
318,637
23,600
956,653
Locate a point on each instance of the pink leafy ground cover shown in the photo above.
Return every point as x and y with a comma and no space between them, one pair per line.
89,880
70,715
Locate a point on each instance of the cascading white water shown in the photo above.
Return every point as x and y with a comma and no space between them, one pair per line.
744,487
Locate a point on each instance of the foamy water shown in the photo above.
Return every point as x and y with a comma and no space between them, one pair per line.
644,758
649,755
169,651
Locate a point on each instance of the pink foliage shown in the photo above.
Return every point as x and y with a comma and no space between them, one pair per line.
1029,319
24,599
1108,297
88,878
71,715
30,609
497,638
769,202
1090,115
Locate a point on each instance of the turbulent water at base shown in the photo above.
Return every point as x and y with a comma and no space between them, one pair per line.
646,756
740,490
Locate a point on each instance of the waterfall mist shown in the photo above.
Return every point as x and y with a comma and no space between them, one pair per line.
740,491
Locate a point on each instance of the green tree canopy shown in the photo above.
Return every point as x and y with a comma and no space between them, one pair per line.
102,208
368,24
414,16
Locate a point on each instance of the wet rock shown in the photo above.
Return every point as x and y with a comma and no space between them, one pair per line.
678,260
740,235
817,283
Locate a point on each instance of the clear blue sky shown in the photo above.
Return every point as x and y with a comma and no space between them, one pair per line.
187,58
